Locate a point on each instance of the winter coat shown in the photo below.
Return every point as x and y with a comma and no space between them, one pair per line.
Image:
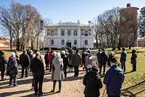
12,67
103,58
133,58
123,56
92,82
3,63
84,54
65,60
24,60
46,58
99,56
37,66
57,73
70,58
76,60
113,80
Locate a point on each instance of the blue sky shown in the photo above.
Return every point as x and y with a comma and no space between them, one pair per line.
73,10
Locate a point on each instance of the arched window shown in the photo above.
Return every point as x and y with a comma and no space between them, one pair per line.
62,32
86,32
75,32
52,42
69,32
75,42
86,42
62,42
52,32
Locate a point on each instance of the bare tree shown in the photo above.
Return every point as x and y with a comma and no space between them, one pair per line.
21,21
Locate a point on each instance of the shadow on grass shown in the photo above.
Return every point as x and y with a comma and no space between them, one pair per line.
134,90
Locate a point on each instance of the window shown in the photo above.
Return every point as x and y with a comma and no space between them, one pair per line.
69,32
75,42
86,42
86,32
90,34
82,29
62,42
52,42
52,32
75,32
82,33
48,33
62,32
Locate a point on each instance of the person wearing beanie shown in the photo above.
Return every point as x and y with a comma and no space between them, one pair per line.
37,68
114,79
57,74
12,69
92,83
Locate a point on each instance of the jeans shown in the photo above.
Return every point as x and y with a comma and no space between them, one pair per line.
76,71
13,80
38,81
123,66
54,84
26,72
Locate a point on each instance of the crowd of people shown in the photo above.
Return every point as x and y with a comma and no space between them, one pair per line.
60,63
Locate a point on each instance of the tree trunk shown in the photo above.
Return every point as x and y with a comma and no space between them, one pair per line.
18,44
11,46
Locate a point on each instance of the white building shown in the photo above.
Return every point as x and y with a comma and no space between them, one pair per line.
68,34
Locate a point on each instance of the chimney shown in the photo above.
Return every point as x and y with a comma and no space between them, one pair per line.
128,5
78,21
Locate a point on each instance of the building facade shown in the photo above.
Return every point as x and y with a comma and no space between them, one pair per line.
68,34
129,26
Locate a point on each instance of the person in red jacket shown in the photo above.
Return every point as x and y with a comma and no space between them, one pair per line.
49,59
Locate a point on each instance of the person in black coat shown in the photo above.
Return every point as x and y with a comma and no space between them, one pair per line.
65,63
103,61
93,83
133,60
25,63
3,62
37,68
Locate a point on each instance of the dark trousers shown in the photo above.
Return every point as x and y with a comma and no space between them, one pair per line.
65,70
38,81
13,80
104,66
113,96
133,67
123,65
2,74
76,71
54,84
26,71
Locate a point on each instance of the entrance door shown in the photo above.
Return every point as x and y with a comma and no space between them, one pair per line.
68,44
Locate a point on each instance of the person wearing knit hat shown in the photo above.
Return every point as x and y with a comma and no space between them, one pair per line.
12,70
114,79
92,83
